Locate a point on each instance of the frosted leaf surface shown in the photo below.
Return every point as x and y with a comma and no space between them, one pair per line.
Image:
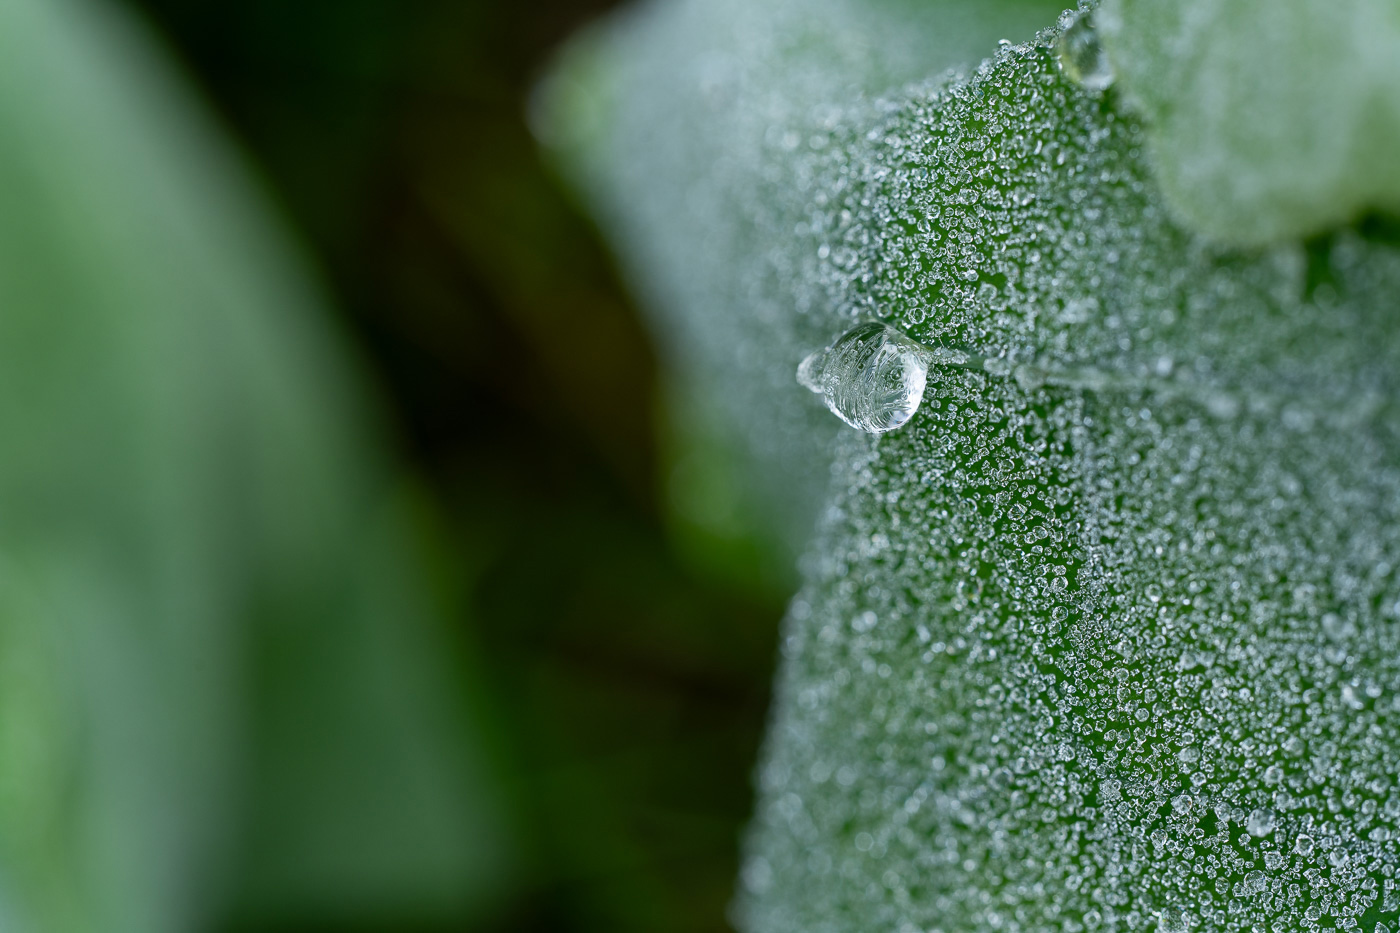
690,125
1091,653
1265,120
1108,637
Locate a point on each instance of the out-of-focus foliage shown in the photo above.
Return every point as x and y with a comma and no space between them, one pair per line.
225,686
623,631
1105,637
1265,120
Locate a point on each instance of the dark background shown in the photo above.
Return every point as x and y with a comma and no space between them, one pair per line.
626,683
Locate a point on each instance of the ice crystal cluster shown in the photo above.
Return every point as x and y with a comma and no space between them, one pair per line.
1114,651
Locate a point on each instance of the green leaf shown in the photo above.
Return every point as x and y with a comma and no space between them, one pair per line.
1105,638
216,641
685,125
1266,121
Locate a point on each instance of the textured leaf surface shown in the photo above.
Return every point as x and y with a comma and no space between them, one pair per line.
1112,649
1265,120
213,637
690,124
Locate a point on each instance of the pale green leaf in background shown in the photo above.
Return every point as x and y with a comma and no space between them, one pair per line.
1265,121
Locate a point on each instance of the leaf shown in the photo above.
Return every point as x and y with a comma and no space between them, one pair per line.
1105,637
188,485
1266,121
683,123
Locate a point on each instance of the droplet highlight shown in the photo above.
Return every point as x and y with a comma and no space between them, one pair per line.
872,377
1082,57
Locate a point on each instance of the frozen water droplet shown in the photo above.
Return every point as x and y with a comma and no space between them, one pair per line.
1082,58
1304,845
1338,628
1261,822
1029,377
1172,921
872,377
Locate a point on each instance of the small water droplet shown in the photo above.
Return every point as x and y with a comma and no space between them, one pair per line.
1082,58
1338,628
1172,921
872,377
1029,377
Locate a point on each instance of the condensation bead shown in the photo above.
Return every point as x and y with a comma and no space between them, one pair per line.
872,377
1081,56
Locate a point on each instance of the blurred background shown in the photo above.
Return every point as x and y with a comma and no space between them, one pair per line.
623,686
610,638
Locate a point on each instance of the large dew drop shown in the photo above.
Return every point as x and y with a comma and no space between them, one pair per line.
872,377
1082,58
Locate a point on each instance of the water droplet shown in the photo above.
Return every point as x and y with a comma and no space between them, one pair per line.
872,377
1029,377
1304,844
1082,58
1261,822
1172,921
1338,628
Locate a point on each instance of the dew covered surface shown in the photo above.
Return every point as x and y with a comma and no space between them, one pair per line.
724,118
1111,660
1068,658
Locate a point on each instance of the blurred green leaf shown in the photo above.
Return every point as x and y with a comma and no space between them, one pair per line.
1265,120
232,683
